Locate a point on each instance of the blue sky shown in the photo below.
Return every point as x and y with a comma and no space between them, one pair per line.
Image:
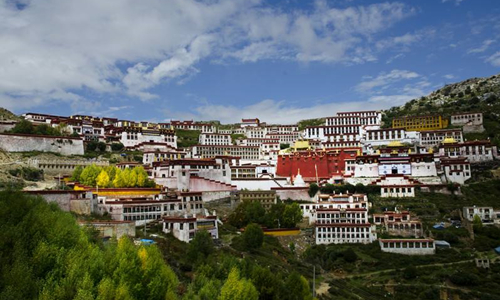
281,61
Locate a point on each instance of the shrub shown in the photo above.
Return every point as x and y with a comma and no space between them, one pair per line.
117,146
253,237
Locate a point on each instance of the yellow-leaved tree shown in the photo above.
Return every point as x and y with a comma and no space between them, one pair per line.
103,179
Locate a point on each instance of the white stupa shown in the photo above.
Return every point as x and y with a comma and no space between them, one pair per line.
298,181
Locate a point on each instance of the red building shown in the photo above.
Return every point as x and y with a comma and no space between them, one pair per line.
313,165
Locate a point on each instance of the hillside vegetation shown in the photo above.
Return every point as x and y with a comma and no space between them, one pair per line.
8,115
302,124
471,95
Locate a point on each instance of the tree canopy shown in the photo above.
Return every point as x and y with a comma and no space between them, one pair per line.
111,176
45,254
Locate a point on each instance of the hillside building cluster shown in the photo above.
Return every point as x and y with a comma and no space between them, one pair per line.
256,161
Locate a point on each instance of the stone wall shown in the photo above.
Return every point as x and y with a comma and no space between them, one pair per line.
215,195
28,142
64,166
293,193
82,206
115,229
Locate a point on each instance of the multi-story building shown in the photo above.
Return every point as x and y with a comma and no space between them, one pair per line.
250,123
151,156
141,210
191,125
257,142
317,164
420,123
185,227
432,138
455,169
183,174
281,129
370,118
244,152
285,138
266,198
381,137
487,214
399,223
255,132
338,221
215,139
334,133
408,246
324,201
463,119
474,151
134,136
397,169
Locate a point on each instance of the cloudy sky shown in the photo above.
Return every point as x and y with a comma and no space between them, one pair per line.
281,61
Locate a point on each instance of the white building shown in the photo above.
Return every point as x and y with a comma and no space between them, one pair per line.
250,123
185,227
475,119
455,169
487,214
399,223
340,219
215,139
191,125
379,137
142,210
208,151
474,151
432,138
408,246
192,174
133,137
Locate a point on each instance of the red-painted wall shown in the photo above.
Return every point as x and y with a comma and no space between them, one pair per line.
327,163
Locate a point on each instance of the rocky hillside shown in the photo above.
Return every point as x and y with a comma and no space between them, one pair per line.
8,115
471,95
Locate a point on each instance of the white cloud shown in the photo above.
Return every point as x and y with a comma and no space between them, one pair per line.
403,42
393,58
457,2
60,47
486,44
393,88
383,80
494,59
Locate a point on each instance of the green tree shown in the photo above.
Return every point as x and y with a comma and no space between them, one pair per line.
23,127
247,212
117,146
477,223
237,289
313,189
349,255
47,255
89,175
101,146
201,246
253,236
297,287
45,129
292,215
266,282
76,173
